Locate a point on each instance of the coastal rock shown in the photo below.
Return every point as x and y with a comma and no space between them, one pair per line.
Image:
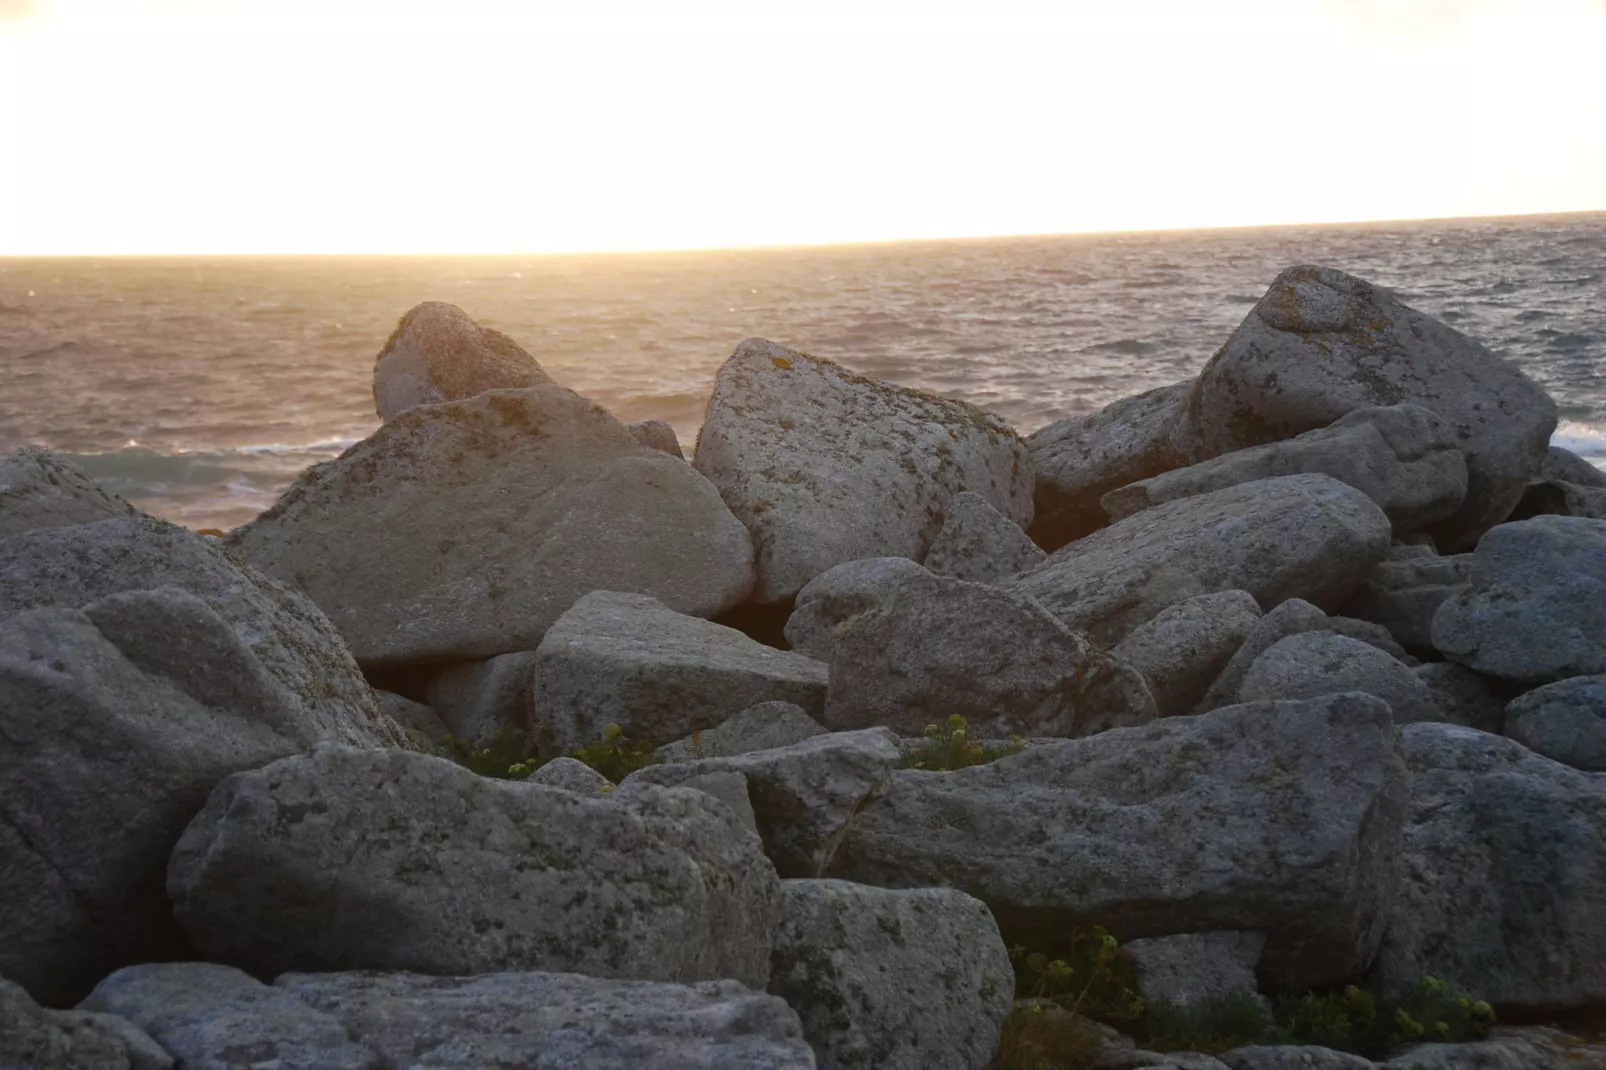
1507,1048
629,660
1564,466
889,979
1404,591
1292,617
39,489
32,1038
1293,1057
1373,635
1321,663
656,435
1186,646
1555,498
348,859
437,353
839,593
1534,608
1564,721
1463,696
766,726
480,701
570,774
416,719
1321,344
463,530
826,466
1278,817
1305,536
1190,969
980,544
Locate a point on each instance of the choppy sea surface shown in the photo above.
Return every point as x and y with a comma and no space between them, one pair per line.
199,387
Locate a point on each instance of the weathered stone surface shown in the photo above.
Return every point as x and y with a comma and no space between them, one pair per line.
804,795
32,1038
1534,608
1283,818
839,593
463,530
1463,696
437,353
980,544
39,489
656,435
347,859
416,719
766,726
1321,663
1565,721
1404,591
1189,969
826,466
729,788
1183,649
1554,497
892,979
1292,617
1507,1048
1373,635
558,1020
629,660
1564,466
481,700
1321,344
1293,1057
1505,869
570,774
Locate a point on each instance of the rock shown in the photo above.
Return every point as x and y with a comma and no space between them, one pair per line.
1081,458
892,979
934,647
765,726
1463,697
1565,721
416,719
1293,617
1283,818
839,593
1556,498
1507,1048
215,1016
1191,969
1306,536
1373,635
1564,466
1505,868
826,466
656,435
39,489
1534,608
729,788
1321,663
1293,1057
462,530
481,701
1404,457
570,774
1186,646
629,660
32,1038
1321,344
1402,593
805,795
558,1020
437,353
980,544
348,859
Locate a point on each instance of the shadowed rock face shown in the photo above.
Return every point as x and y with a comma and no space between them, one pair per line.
41,490
437,353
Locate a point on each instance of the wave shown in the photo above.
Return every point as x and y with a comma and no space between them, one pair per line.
1586,440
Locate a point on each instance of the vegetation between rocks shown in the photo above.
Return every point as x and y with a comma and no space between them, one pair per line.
511,756
949,748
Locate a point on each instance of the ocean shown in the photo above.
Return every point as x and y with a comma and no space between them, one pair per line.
199,387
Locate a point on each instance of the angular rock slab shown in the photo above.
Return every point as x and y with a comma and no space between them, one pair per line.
766,726
39,489
839,593
1564,721
388,860
33,1038
437,353
892,979
824,465
463,530
980,544
1183,649
1283,818
1321,663
1405,590
481,700
1293,617
656,435
1304,536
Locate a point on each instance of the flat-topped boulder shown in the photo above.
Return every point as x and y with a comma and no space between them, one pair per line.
438,353
464,530
40,489
824,465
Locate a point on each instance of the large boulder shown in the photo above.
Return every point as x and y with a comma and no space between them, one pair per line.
1564,721
33,1038
437,353
348,859
1304,536
629,660
1183,649
1321,344
1405,590
826,466
1292,617
980,544
1277,817
1564,466
1321,663
463,530
1534,608
838,593
39,489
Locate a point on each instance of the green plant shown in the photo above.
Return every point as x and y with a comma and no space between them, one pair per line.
1039,1035
616,755
1094,978
951,748
1214,1025
508,756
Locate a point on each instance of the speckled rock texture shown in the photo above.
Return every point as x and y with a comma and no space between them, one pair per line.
1183,649
656,435
463,530
891,979
839,593
1507,1048
1321,663
33,1038
1405,590
1283,818
416,719
1464,697
629,660
1321,344
1534,608
933,647
39,489
437,353
1293,1057
980,544
1553,497
1305,536
1564,721
824,465
570,774
481,700
1564,466
1190,969
1292,617
764,726
348,859
1505,870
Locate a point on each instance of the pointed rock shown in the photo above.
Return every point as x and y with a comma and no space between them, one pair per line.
437,353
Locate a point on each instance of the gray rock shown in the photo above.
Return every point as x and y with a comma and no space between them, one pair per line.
729,788
1292,617
629,660
416,719
558,1021
1283,818
839,593
462,530
481,701
1463,696
805,795
1190,969
437,353
824,465
935,647
1373,635
570,774
1553,497
1565,721
1293,1057
1186,646
980,544
656,435
892,979
1403,592
765,726
1321,663
32,1038
39,489
1321,344
348,859
1404,457
1564,466
1507,1048
1306,536
1505,868
1534,608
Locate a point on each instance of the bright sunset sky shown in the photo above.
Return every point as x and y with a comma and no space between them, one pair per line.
166,126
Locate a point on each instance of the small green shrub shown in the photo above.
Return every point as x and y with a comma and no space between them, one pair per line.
1209,1026
1038,1035
1094,978
951,748
509,755
616,755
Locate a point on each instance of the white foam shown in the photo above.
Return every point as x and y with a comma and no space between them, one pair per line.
1586,440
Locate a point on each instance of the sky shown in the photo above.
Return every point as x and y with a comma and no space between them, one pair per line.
404,126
